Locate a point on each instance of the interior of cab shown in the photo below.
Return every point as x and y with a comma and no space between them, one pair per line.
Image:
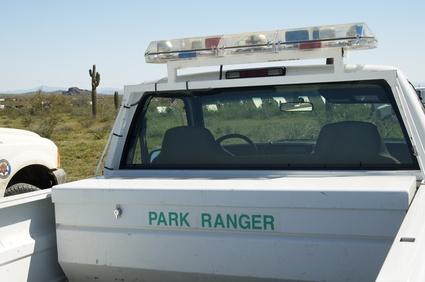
311,126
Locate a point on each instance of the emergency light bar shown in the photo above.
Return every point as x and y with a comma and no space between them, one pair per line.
347,36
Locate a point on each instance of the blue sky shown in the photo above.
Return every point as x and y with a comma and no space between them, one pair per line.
55,43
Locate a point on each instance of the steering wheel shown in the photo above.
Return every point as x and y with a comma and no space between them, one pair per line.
251,144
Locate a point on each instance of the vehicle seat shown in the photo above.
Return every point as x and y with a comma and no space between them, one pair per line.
352,142
188,145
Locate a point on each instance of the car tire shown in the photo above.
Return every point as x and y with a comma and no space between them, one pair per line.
20,188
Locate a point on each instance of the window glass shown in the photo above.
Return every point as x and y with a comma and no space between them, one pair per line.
146,135
326,125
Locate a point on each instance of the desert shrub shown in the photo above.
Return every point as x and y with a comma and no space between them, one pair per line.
42,113
6,122
86,122
64,128
47,127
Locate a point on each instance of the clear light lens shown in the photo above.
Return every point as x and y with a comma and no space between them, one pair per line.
348,36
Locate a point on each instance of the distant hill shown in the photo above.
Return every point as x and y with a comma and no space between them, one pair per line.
109,90
75,91
48,89
25,91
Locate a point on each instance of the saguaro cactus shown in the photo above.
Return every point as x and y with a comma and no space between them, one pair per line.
116,100
95,79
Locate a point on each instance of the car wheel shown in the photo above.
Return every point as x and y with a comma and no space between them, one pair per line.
20,188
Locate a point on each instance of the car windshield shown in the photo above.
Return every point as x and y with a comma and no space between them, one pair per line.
340,125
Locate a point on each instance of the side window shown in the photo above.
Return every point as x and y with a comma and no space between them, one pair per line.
161,114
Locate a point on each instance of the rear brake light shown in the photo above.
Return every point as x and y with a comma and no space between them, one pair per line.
279,71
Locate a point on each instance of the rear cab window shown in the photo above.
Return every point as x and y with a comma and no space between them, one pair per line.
335,125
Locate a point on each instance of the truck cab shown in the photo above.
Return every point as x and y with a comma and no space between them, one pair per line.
251,173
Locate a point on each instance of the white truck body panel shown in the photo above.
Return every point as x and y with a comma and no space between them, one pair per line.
28,238
20,149
404,261
19,142
340,227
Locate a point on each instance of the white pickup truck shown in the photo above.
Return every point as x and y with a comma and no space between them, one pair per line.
28,162
252,169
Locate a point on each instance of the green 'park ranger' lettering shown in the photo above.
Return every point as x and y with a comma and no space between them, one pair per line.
244,222
234,221
168,219
214,221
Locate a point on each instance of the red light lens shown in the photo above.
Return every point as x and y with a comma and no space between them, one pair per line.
310,45
253,73
212,42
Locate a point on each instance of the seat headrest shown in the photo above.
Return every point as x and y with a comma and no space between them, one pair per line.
187,144
352,141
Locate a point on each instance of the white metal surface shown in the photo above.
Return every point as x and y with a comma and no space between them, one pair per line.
336,54
21,148
24,147
405,261
28,239
327,229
